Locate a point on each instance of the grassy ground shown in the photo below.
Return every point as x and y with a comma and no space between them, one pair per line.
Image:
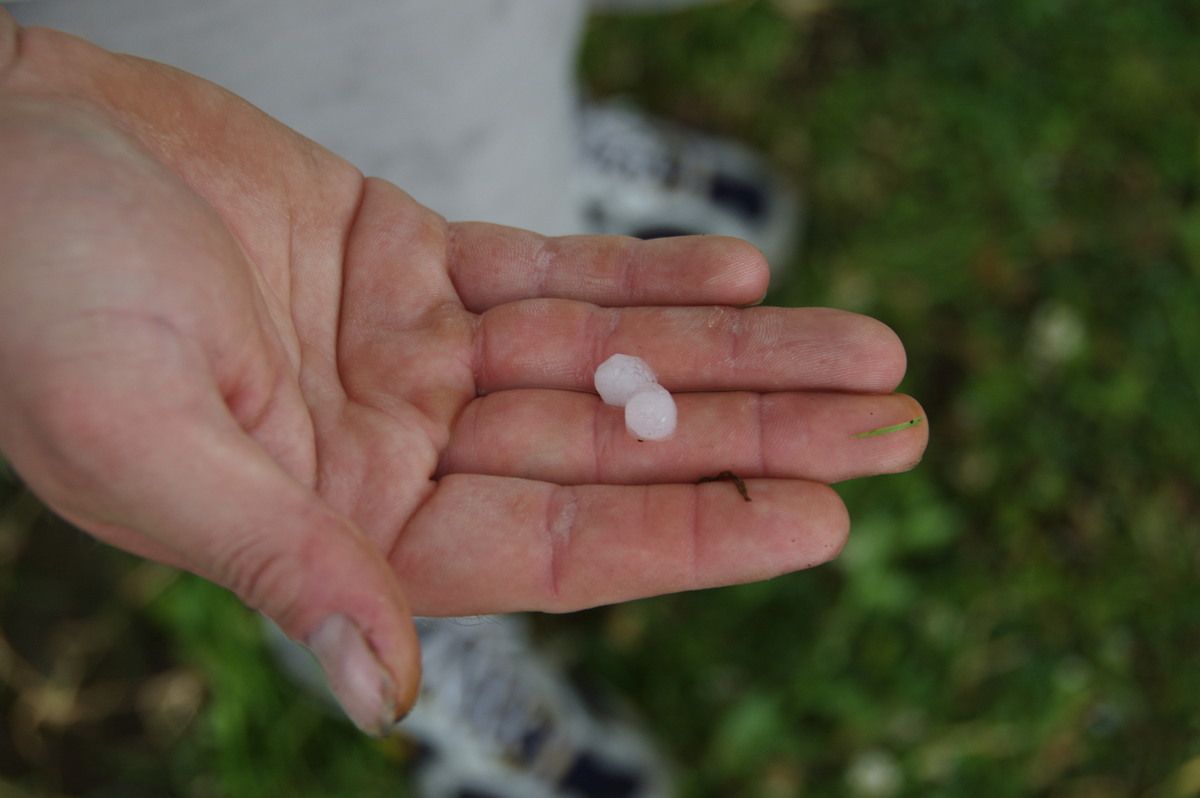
1014,186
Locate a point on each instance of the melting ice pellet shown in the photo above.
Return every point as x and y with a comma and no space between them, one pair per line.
629,382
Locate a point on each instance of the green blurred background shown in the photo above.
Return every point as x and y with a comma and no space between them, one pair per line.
1014,186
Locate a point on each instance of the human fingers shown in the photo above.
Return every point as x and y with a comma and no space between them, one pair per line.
559,344
491,265
573,438
486,544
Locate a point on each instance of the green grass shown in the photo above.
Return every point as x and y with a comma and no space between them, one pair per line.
1014,186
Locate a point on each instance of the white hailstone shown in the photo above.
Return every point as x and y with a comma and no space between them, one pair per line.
619,377
650,412
629,382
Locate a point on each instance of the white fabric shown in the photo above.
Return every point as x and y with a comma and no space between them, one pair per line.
468,106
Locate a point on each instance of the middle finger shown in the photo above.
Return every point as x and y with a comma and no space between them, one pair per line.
572,438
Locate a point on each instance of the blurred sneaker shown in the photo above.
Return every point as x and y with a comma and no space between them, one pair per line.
494,719
649,178
501,721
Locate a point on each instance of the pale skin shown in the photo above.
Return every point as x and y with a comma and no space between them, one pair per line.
223,349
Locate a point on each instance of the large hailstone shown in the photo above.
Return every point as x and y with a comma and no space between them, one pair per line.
629,382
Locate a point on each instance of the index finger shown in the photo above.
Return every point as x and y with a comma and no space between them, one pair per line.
484,544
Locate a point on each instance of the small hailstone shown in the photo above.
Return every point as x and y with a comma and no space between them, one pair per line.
650,412
629,382
619,377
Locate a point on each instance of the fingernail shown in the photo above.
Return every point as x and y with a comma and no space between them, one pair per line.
359,682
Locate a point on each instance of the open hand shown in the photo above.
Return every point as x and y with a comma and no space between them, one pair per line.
222,348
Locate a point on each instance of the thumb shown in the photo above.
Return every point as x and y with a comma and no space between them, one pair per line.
286,553
186,486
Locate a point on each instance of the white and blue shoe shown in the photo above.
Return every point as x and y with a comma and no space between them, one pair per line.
650,178
499,720
496,719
